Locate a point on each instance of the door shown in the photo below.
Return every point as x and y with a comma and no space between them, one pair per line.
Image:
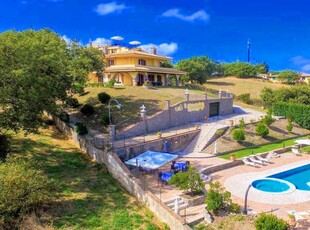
214,109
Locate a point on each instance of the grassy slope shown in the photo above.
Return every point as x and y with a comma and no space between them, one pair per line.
239,86
90,198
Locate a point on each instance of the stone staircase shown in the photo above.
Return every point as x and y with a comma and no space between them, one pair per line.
202,139
180,203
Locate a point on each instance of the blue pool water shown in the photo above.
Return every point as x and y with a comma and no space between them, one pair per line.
268,185
280,182
300,177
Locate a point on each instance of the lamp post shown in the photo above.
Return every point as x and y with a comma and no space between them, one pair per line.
119,106
245,209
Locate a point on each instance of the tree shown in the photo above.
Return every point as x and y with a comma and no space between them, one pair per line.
166,64
261,68
268,97
270,221
37,69
217,197
238,135
239,69
262,130
198,69
288,76
189,181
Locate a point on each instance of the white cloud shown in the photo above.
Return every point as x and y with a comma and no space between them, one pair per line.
110,8
199,15
302,62
101,41
66,38
163,48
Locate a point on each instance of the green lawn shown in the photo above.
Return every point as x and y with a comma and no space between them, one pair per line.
260,149
90,198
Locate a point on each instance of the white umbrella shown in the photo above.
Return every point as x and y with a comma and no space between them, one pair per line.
134,43
303,142
118,38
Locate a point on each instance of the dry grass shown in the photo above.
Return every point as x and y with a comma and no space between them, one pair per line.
239,86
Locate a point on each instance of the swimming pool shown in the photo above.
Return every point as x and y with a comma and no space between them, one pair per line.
281,182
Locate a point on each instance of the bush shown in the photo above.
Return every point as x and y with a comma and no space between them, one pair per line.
105,119
80,128
104,97
238,135
219,132
268,120
88,110
241,123
72,102
111,83
5,146
64,116
246,98
217,198
78,88
289,126
262,130
270,221
235,208
189,181
23,189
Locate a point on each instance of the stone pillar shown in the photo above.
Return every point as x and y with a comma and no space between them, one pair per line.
206,97
167,105
143,112
228,94
176,81
111,129
220,93
186,95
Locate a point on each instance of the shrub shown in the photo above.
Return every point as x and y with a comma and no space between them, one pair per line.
23,189
262,130
289,126
105,119
189,181
241,123
235,208
104,97
5,146
270,221
217,198
238,135
268,120
72,102
64,116
111,83
80,128
246,98
219,132
88,109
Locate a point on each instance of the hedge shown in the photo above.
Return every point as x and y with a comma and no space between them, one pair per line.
298,113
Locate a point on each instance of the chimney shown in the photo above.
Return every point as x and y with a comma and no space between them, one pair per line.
153,50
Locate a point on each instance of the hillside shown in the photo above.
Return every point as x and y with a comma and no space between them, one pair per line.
89,197
242,85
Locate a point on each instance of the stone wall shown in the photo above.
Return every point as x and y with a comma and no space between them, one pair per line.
120,172
176,143
177,115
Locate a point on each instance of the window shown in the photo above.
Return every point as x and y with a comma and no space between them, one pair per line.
142,62
110,62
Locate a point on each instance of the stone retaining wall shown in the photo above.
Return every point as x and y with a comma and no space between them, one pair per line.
120,172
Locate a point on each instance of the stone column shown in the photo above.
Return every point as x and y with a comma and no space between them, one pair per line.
186,95
228,94
167,105
220,93
177,81
206,97
111,129
143,112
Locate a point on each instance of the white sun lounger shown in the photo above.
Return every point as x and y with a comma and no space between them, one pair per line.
252,158
296,151
273,154
247,162
267,159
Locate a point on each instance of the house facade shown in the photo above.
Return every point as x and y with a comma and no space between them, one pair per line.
135,66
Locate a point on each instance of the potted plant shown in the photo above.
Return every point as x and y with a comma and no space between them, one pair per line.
159,134
292,221
232,157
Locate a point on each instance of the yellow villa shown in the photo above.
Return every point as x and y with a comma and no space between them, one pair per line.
135,66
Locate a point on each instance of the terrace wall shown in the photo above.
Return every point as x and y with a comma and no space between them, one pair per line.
177,115
120,172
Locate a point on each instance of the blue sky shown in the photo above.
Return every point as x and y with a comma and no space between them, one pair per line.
279,29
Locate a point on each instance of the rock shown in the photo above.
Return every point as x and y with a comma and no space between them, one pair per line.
208,217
